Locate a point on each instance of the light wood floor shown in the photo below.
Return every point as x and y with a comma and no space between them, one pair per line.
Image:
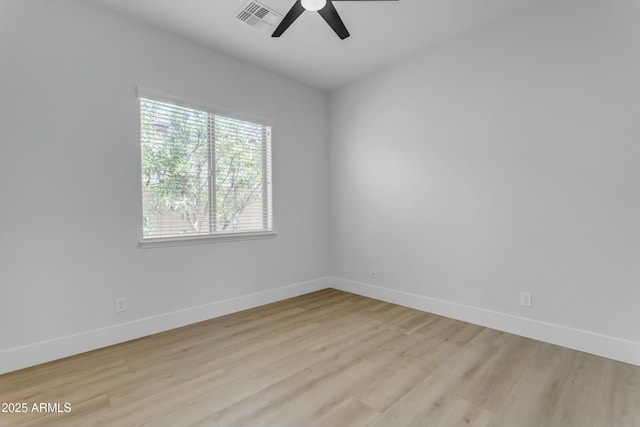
330,359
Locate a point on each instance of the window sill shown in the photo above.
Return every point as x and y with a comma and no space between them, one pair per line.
163,242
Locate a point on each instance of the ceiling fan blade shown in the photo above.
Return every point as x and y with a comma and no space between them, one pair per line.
330,14
293,14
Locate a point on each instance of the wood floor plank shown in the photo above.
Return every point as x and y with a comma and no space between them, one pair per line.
266,404
415,321
393,353
324,397
625,394
349,413
534,398
464,413
329,358
425,402
207,422
389,388
584,398
493,383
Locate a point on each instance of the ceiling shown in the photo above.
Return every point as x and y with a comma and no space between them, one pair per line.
382,32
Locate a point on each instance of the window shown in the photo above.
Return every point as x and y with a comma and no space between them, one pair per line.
203,174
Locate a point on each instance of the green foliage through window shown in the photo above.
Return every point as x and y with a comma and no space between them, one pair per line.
202,173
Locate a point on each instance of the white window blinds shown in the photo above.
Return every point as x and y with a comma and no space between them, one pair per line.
202,173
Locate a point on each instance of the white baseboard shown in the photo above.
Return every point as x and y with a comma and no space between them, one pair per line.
588,342
46,351
58,348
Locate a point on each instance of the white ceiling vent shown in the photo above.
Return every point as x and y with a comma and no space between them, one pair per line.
256,14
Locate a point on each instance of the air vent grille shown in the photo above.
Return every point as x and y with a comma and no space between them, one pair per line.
257,14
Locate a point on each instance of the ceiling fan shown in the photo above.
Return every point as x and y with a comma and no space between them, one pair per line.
324,7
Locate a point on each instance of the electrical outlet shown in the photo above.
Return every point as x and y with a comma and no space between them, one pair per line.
345,267
374,273
525,299
121,305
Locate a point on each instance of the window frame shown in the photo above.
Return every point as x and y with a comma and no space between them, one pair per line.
168,241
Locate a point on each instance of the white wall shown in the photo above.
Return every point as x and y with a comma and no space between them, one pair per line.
505,160
70,213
